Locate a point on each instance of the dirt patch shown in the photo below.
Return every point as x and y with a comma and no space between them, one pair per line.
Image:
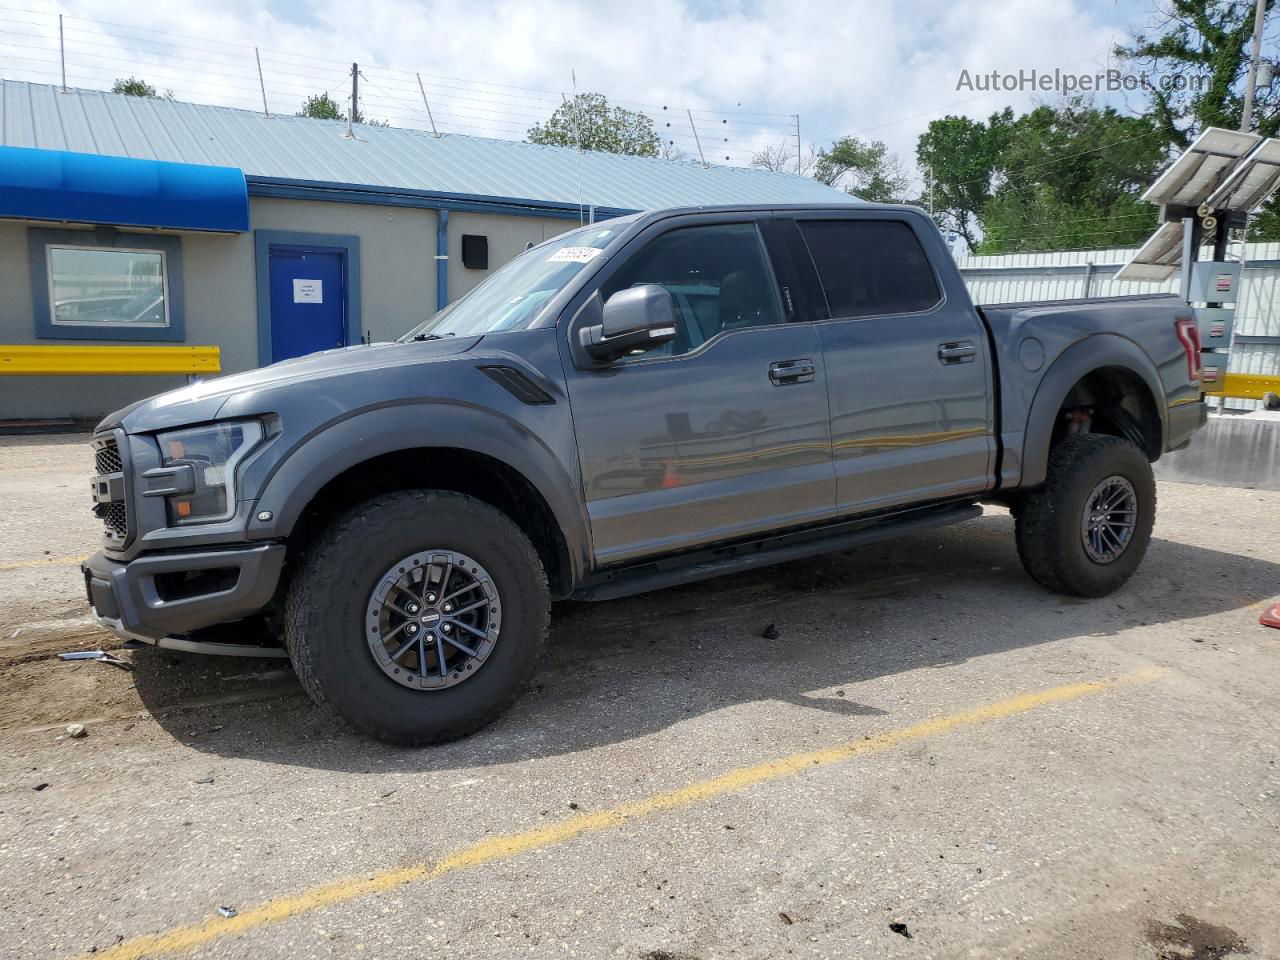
1189,938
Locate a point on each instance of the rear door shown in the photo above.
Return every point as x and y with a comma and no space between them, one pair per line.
908,366
722,433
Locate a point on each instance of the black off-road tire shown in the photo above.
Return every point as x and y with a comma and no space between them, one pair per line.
1048,521
328,598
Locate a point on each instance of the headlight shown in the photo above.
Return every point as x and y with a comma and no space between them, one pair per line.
212,452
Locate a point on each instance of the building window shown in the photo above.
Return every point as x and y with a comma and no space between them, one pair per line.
104,285
91,286
475,251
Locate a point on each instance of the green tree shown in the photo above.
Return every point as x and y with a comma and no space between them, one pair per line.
324,107
589,122
134,87
865,169
961,158
1057,178
1069,177
1205,45
321,107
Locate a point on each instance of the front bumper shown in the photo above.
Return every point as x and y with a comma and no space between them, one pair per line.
156,598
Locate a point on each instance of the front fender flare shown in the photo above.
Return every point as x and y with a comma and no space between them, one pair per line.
339,445
1078,360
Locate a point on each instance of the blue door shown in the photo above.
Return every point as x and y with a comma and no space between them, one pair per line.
308,301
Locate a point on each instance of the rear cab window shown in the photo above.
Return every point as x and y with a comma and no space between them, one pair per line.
870,268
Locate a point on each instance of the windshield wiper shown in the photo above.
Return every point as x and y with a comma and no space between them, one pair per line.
431,336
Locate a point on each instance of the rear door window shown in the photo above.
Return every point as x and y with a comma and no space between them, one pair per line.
870,267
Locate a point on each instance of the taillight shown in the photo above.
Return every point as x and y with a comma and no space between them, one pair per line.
1188,332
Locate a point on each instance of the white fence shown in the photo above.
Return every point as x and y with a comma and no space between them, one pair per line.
1018,277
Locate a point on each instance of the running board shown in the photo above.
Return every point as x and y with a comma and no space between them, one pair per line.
706,564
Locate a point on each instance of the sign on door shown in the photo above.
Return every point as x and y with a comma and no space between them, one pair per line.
308,291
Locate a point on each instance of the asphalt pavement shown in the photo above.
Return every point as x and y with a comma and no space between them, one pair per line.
934,758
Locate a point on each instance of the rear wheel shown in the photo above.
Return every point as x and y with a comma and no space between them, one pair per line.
418,616
1087,529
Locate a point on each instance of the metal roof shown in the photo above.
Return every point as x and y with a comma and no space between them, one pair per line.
303,149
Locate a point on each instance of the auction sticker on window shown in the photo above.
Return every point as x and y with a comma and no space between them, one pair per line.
308,291
574,255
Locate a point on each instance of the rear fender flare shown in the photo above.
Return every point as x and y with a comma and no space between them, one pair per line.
1077,361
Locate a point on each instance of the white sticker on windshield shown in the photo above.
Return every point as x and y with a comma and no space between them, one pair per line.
574,255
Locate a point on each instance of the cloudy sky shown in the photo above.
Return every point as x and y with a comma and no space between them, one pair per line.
874,68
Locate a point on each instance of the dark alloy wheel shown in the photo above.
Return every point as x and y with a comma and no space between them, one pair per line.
1085,531
1108,519
418,616
433,619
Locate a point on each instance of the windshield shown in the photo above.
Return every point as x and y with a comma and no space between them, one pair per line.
510,298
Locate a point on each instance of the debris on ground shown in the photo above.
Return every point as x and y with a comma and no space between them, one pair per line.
40,786
227,912
785,918
1271,617
1195,939
204,780
101,655
76,731
770,632
900,928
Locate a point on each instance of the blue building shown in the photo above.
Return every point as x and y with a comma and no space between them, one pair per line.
133,220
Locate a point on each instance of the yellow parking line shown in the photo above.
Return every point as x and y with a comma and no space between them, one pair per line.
42,562
497,848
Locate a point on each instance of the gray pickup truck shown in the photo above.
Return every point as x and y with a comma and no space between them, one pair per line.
638,403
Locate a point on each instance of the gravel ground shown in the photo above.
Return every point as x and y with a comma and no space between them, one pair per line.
1104,819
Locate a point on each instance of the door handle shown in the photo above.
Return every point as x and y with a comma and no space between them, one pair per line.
957,351
785,372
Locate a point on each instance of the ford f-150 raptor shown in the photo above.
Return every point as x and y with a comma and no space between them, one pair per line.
638,403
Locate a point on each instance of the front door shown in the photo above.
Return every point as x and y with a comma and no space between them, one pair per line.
720,434
308,301
908,367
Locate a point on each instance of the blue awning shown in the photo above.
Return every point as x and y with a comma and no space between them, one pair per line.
86,188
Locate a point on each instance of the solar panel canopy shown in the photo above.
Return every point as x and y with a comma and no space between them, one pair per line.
1254,180
1158,258
1202,168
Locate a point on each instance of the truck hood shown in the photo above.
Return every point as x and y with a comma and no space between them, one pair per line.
201,402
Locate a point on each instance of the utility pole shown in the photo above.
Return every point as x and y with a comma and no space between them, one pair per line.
1246,116
62,54
261,83
931,190
355,98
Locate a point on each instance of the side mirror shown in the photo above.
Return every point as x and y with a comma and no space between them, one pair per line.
634,319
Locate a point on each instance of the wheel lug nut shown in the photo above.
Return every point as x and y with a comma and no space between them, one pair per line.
431,598
448,608
412,608
412,628
447,627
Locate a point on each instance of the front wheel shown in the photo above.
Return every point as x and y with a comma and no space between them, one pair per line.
418,616
1087,529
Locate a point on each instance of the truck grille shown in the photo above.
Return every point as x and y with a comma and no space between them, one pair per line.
107,457
111,506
